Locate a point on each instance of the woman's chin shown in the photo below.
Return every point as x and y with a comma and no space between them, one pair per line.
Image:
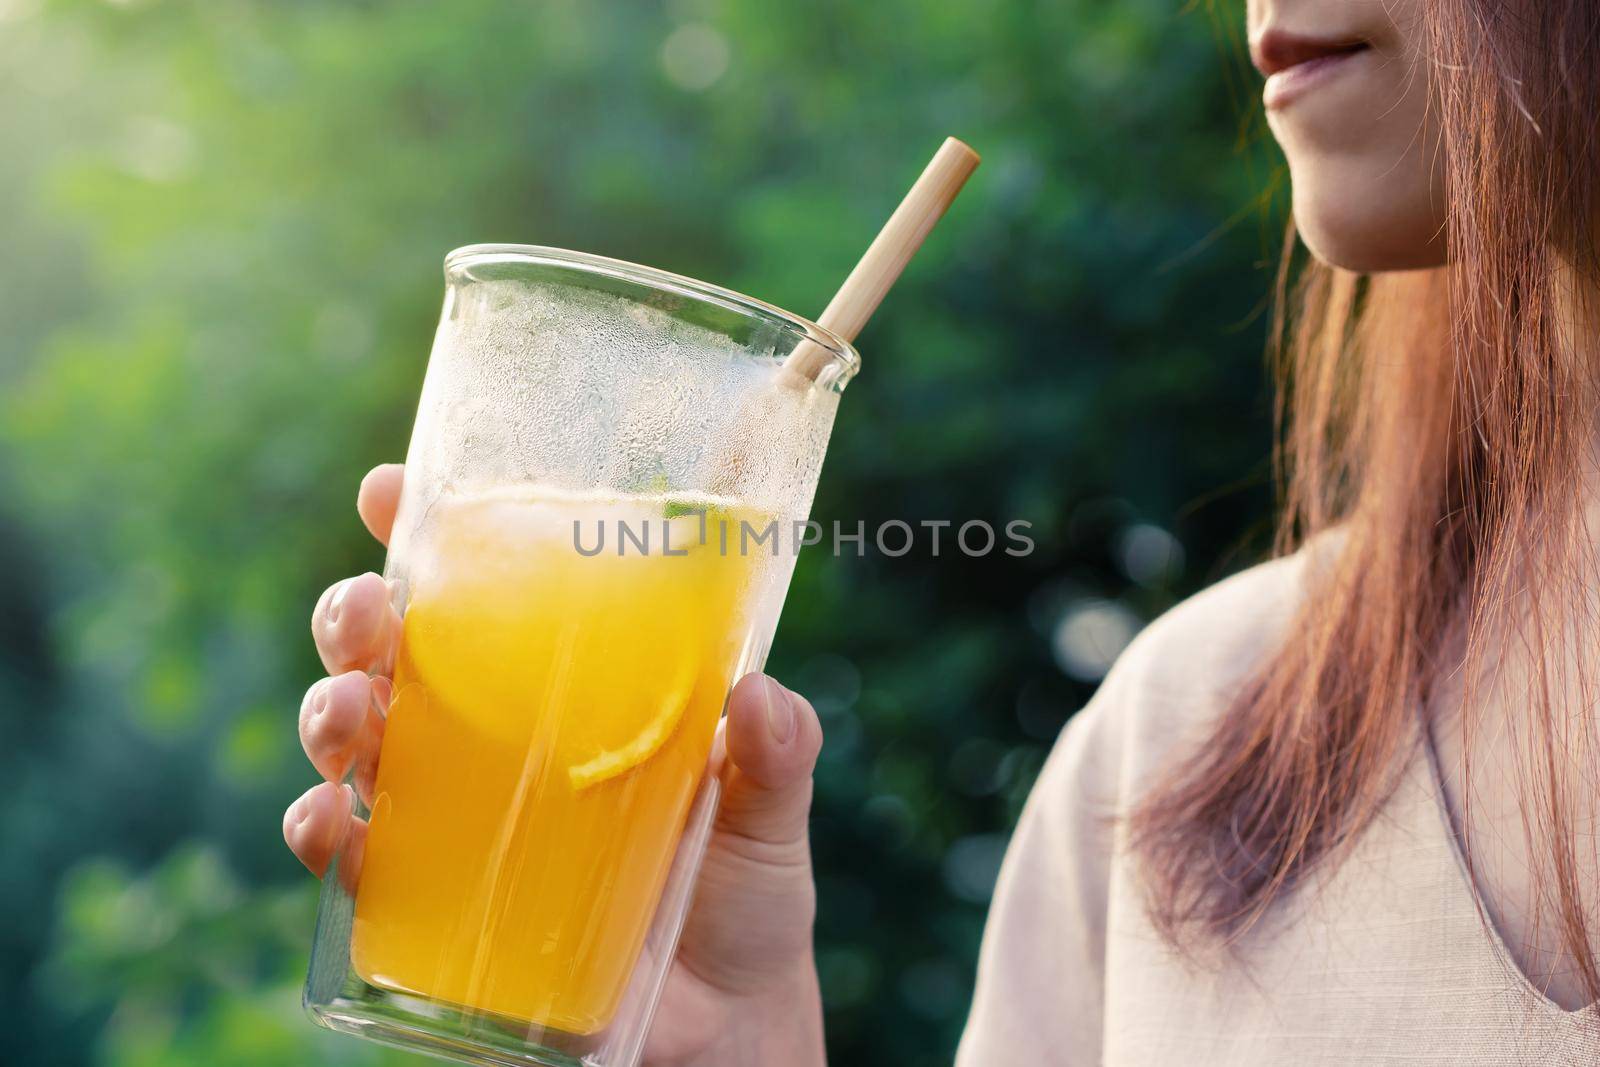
1370,237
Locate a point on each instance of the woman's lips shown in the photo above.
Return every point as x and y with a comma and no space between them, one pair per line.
1294,65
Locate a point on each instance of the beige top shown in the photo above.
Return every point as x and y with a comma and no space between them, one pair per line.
1381,960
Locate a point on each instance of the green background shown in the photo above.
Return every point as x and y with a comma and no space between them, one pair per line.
222,235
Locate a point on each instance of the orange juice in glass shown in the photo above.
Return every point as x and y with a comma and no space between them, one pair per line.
551,718
574,613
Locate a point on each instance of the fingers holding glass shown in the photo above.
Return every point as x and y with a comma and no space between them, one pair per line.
379,499
316,825
341,727
356,626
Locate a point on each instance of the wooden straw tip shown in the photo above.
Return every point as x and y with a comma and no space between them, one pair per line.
955,146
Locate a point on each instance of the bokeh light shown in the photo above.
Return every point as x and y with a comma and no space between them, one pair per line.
1091,635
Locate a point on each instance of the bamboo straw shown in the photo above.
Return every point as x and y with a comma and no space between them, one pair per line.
886,257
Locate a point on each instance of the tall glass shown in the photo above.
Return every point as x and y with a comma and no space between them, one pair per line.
606,482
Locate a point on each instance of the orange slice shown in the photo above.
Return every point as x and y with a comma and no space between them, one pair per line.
617,760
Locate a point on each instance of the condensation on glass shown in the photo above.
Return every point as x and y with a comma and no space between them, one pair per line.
604,489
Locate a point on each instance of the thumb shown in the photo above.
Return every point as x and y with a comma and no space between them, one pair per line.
754,902
773,737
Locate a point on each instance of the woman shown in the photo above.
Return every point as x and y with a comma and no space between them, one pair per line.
1340,808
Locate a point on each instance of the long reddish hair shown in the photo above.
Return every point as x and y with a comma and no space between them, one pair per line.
1442,421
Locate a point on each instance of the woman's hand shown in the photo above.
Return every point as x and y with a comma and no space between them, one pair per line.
743,989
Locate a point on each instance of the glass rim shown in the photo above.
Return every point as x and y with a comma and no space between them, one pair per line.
843,353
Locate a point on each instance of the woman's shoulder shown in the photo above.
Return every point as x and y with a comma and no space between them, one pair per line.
1183,670
1040,980
1220,635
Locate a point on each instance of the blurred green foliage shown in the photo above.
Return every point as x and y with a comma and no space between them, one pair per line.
223,241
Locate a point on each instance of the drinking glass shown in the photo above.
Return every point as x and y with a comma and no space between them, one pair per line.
608,478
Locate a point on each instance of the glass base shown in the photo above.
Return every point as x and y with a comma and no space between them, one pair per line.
339,998
417,1024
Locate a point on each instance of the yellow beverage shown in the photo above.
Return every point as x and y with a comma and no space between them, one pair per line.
552,718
